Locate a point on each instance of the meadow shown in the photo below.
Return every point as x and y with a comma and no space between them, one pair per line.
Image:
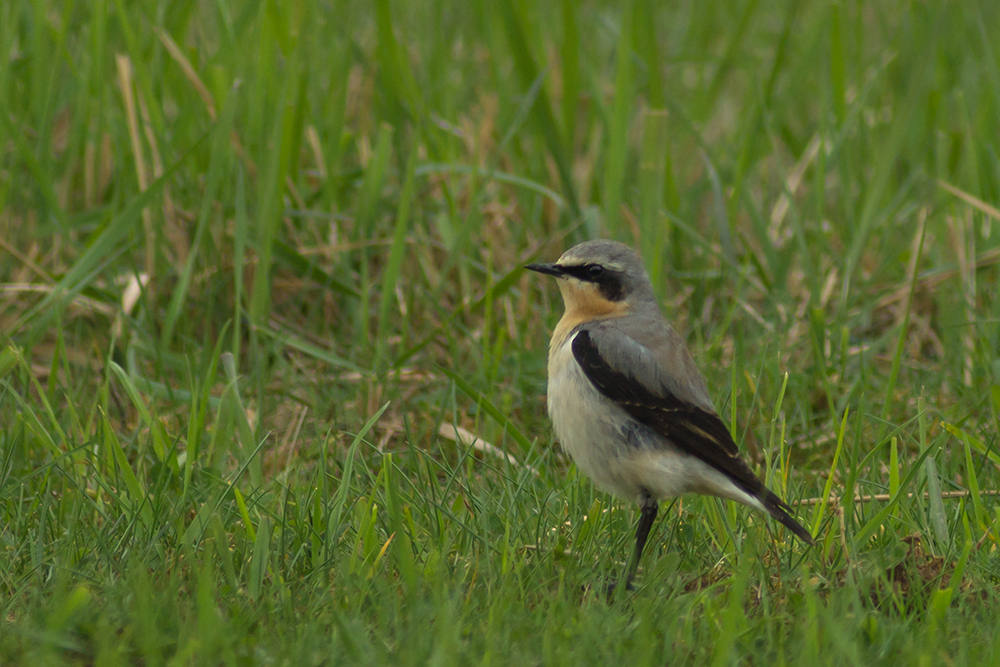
272,376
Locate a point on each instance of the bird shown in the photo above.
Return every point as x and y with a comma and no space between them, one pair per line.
627,400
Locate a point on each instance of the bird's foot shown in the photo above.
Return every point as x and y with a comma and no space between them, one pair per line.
613,586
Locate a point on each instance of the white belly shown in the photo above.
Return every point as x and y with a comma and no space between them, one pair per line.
621,455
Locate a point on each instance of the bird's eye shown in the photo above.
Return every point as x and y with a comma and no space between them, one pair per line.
595,270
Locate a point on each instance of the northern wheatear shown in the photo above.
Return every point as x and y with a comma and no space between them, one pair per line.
626,399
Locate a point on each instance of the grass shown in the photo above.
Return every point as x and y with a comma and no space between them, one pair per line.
261,280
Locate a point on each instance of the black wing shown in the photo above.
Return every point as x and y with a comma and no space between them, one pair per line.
694,429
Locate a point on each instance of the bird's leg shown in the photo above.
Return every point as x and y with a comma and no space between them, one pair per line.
649,508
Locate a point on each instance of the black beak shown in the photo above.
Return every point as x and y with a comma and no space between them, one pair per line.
549,269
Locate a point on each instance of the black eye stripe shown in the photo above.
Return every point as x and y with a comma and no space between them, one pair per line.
609,281
583,272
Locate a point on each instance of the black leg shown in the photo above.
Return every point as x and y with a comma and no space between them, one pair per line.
650,506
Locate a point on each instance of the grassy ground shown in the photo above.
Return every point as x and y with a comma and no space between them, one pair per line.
261,288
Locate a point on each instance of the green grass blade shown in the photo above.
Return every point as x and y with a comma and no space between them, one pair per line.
973,483
239,416
287,339
494,175
904,328
35,167
260,558
340,499
284,144
514,24
621,114
219,159
497,290
882,516
104,246
400,83
569,52
151,421
293,259
240,238
973,442
9,360
652,176
484,403
138,501
394,264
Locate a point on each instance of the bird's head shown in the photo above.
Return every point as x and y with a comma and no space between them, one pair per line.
600,279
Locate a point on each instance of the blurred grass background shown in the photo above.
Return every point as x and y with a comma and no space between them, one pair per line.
261,292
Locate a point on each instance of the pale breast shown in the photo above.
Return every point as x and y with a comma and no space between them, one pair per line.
588,425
